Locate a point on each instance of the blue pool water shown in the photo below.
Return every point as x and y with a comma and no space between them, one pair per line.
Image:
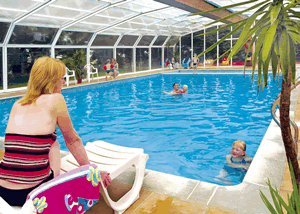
186,135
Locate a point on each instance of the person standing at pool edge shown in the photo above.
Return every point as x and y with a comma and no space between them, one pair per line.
32,153
115,67
107,69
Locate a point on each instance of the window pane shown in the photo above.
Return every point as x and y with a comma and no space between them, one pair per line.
236,35
146,41
66,56
99,57
74,38
186,47
20,61
105,40
239,58
160,40
3,30
156,58
168,53
142,59
172,41
128,40
210,40
32,35
124,59
1,70
198,43
223,47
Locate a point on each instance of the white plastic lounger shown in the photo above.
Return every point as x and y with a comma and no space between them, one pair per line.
115,160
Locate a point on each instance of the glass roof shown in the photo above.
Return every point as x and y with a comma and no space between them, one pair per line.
110,17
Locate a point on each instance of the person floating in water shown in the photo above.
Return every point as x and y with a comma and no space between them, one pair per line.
237,161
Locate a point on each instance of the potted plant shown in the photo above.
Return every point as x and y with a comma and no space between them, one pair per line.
76,62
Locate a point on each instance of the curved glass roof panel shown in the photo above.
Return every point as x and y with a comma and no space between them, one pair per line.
3,30
145,40
160,40
11,10
32,35
74,38
105,40
128,40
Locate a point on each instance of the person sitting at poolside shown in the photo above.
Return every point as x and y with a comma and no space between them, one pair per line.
237,159
184,89
32,154
115,67
107,69
175,89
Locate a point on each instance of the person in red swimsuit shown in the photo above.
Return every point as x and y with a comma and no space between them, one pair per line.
32,154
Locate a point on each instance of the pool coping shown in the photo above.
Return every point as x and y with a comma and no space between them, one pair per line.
269,162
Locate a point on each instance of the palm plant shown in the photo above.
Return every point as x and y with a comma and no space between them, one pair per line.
274,30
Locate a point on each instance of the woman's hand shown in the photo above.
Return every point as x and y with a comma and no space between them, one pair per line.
105,178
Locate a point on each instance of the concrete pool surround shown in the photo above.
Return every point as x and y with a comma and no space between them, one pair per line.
268,163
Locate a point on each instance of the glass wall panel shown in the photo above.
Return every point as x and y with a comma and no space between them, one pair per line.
20,61
67,56
172,40
186,47
160,40
145,41
1,70
198,45
105,40
128,40
236,35
4,27
156,58
74,38
223,47
125,59
142,59
32,35
99,57
239,58
210,40
176,53
168,53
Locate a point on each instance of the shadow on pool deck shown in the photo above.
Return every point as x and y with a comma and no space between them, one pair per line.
155,202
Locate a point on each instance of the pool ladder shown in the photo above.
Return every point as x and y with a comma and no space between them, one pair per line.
276,119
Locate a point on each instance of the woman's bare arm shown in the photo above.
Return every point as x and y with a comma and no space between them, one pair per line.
72,140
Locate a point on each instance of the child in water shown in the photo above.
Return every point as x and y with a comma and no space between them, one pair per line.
237,160
184,89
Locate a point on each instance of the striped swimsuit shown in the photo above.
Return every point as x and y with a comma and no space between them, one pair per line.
26,158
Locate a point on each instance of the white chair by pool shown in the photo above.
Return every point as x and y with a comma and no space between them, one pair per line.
115,160
91,70
68,75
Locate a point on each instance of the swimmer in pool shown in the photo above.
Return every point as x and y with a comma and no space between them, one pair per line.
237,161
184,89
175,89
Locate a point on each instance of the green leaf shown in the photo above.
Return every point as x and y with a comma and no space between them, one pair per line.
265,72
223,8
259,68
257,50
237,13
275,12
268,41
292,60
249,48
266,202
284,54
295,37
274,64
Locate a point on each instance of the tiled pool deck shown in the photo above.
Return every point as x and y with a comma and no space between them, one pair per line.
163,193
